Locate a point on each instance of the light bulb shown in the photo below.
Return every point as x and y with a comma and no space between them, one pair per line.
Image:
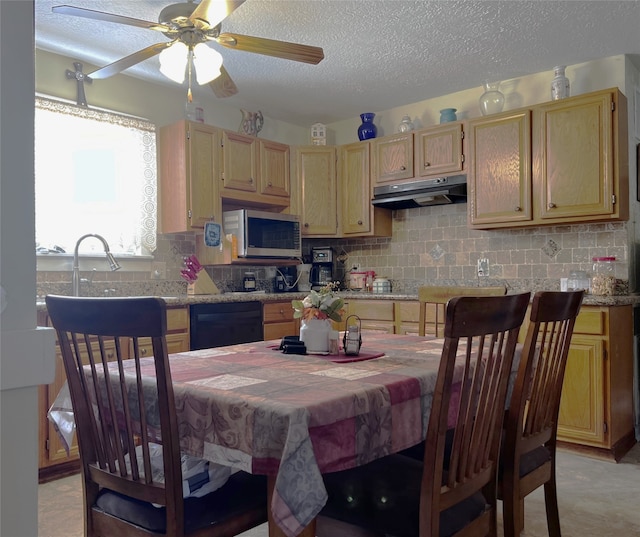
173,61
207,63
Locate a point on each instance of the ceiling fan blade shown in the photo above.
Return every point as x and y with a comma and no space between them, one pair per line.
108,17
271,47
124,63
223,86
210,13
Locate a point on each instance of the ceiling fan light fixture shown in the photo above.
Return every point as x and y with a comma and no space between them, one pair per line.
173,61
207,63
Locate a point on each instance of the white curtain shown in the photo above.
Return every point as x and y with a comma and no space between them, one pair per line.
95,172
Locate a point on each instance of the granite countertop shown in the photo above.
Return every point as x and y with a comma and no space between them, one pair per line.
185,300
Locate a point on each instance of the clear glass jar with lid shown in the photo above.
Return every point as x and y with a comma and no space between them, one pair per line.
603,279
249,281
578,279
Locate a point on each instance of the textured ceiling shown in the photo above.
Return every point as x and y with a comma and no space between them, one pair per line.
379,54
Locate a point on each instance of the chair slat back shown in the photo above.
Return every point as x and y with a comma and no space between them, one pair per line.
535,401
480,341
100,340
438,296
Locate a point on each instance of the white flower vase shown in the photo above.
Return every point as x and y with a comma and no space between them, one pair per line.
315,334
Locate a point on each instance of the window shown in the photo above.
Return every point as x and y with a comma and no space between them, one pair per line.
95,172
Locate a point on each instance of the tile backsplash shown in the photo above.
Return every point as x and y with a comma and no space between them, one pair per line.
429,245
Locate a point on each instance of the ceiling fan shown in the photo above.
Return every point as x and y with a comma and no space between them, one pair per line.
190,26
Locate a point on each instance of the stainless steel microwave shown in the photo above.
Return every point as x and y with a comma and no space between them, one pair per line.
264,234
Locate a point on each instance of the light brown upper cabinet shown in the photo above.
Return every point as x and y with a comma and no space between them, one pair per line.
358,217
581,158
571,166
439,150
189,162
393,158
254,172
274,169
499,172
314,190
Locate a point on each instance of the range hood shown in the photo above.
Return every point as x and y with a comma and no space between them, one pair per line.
437,191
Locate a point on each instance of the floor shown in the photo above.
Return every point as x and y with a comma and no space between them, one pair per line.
596,498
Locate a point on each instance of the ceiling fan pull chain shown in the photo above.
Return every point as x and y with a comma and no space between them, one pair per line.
189,65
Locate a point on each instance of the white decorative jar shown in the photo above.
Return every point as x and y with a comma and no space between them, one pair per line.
560,86
315,333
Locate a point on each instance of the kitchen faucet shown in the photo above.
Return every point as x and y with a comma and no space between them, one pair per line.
113,264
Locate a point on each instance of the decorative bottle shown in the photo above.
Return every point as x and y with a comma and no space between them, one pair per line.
559,84
406,125
367,130
492,100
447,115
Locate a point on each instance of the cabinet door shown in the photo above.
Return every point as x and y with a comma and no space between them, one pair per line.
204,160
574,157
189,165
317,181
355,188
274,169
240,167
499,178
582,413
393,158
438,150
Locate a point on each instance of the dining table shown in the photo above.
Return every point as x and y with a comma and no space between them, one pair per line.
294,417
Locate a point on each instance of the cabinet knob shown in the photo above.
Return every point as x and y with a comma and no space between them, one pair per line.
427,164
110,356
251,180
359,222
281,311
552,205
143,351
270,183
403,168
517,209
306,224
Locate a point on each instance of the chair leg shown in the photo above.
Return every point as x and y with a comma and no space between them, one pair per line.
512,513
551,504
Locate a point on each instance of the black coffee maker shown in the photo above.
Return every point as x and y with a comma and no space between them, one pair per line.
322,267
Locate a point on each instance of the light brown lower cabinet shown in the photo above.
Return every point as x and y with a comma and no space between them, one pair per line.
596,409
278,321
53,458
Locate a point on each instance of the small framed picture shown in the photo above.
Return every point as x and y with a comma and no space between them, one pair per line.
212,234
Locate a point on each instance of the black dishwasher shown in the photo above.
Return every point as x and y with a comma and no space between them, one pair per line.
228,323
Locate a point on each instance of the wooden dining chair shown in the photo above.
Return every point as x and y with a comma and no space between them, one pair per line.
528,456
404,497
437,297
122,415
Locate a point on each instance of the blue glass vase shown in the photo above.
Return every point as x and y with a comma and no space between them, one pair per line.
447,115
367,130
